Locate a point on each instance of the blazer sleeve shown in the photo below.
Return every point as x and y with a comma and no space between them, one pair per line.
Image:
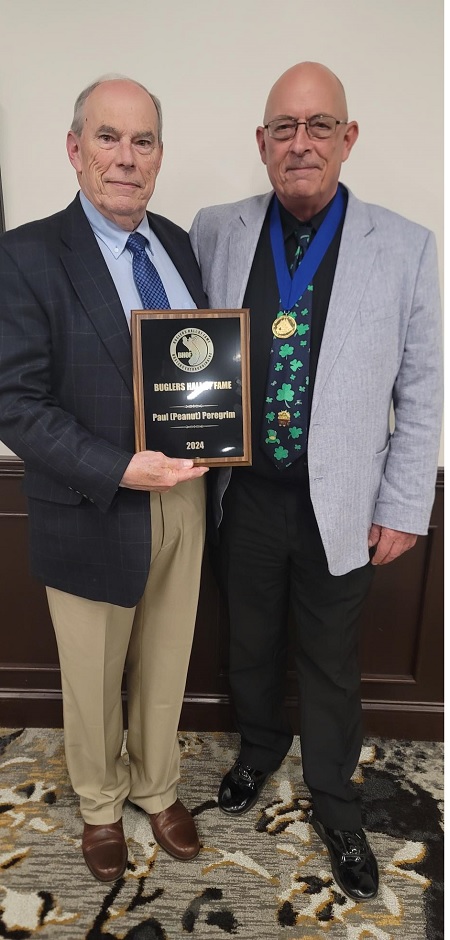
32,422
407,487
204,235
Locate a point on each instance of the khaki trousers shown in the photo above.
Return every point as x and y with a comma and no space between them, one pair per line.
153,640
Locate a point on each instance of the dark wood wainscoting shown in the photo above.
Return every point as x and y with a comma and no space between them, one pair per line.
401,652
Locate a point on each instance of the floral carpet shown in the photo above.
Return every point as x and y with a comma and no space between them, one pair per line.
265,876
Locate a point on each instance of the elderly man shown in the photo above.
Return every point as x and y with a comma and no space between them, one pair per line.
344,321
116,537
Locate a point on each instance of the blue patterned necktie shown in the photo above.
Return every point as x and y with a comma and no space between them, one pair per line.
285,416
147,280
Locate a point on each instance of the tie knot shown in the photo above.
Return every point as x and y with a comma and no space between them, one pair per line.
137,242
300,238
303,235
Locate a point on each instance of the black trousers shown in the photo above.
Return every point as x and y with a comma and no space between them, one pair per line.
271,556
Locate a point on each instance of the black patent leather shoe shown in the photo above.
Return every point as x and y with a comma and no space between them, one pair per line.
353,863
240,788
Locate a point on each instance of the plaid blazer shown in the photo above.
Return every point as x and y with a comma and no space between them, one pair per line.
66,402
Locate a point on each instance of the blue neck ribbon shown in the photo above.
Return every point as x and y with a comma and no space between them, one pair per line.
292,288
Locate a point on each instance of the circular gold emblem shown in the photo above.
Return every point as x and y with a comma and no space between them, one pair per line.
191,349
284,327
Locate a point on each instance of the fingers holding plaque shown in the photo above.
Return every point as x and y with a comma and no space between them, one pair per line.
192,384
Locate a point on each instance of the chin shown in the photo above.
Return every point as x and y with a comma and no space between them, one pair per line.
125,207
303,188
299,195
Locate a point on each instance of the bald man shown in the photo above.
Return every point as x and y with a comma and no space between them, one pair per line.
345,321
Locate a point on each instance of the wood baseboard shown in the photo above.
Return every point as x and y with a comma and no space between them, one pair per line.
416,721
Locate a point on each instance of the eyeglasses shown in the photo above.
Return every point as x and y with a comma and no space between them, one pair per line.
319,127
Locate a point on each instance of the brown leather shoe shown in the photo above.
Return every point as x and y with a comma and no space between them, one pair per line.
105,850
174,830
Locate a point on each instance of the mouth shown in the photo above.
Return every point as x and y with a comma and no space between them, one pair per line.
301,169
124,184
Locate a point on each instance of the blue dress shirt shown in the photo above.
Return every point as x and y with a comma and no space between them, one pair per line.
112,241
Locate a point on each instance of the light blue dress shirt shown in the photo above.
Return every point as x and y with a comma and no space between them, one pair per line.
112,242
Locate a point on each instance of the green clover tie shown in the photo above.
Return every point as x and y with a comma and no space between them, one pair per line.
285,416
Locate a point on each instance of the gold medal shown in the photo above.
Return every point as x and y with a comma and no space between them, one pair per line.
284,327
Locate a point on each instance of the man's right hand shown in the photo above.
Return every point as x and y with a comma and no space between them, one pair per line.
150,470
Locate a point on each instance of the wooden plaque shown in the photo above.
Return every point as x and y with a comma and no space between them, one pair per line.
192,384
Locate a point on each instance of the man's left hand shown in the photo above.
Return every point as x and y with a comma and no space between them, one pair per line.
390,543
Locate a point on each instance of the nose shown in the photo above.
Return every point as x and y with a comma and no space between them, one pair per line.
125,154
301,141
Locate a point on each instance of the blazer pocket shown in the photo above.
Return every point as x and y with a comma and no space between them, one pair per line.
373,314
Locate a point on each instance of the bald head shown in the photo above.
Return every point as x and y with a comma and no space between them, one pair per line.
307,78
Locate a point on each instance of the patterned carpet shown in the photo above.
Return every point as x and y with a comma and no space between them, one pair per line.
263,877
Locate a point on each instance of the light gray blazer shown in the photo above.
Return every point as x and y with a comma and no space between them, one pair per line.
381,346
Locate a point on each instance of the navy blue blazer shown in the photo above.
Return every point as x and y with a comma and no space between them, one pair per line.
66,402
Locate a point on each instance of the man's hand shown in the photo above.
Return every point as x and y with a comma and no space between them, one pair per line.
390,543
150,470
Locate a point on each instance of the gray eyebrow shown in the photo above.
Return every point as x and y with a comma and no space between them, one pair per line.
108,129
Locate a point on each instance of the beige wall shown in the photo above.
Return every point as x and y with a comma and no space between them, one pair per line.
212,62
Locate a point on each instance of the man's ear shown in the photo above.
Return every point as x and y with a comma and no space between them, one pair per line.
73,150
261,141
350,138
160,157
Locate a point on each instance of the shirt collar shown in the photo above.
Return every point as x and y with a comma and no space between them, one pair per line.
114,237
290,223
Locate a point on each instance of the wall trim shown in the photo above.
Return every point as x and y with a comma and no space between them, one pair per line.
403,720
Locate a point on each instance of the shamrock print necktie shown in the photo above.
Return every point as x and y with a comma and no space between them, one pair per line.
285,413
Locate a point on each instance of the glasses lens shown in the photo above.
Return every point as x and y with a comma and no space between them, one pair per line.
282,130
321,125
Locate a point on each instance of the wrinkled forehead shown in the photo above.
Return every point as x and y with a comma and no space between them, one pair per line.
120,104
302,94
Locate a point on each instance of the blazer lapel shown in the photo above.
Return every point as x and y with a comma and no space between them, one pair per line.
95,288
356,257
181,255
244,233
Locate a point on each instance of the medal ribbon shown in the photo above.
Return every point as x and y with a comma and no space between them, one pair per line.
292,288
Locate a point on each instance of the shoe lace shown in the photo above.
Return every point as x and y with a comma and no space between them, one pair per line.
245,772
353,846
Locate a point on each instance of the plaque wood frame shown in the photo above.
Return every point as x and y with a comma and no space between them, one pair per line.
163,381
